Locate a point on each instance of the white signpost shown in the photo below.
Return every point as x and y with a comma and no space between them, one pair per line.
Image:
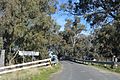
28,53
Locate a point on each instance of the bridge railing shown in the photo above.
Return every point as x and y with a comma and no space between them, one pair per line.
111,63
18,67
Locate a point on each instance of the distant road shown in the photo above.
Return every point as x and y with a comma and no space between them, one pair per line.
74,71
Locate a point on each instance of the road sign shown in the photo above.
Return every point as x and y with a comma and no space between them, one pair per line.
28,53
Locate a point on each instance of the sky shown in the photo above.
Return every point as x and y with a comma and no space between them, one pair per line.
60,17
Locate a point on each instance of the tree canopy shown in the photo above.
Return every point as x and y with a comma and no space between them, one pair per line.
96,12
104,15
25,24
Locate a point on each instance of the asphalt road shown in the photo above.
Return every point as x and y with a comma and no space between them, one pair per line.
75,71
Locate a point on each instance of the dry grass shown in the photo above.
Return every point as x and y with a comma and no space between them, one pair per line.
31,74
20,75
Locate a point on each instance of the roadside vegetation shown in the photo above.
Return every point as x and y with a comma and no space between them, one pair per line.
32,74
103,43
117,70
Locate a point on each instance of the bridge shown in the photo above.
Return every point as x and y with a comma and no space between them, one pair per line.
73,69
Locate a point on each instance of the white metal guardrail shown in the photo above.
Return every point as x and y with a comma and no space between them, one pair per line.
17,67
96,62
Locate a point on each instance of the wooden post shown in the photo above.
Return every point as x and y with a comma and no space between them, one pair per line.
50,62
115,64
23,59
2,58
113,60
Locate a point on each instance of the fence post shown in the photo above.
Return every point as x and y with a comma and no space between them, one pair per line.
2,58
112,65
115,64
50,62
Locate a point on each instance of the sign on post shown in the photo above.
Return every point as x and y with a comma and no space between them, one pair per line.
28,53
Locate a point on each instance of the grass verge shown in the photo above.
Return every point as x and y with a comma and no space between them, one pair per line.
32,74
108,67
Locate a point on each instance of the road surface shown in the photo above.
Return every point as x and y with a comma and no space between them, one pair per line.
75,71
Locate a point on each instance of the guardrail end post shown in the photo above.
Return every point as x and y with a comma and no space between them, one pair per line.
115,65
50,62
112,65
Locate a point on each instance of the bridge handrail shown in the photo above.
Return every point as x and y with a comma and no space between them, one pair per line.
98,62
27,65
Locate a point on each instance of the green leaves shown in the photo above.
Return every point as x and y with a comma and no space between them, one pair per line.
25,24
96,12
73,28
107,40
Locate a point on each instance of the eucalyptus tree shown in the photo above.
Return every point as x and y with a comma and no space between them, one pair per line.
100,14
107,41
54,39
72,32
24,24
96,12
